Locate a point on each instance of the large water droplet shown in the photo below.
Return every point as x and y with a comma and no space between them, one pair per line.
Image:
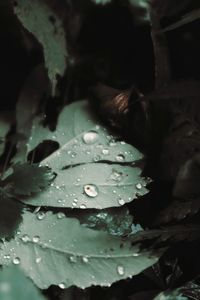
90,137
41,215
120,270
16,261
91,190
120,157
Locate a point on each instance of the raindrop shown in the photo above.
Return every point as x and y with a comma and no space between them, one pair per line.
25,238
136,254
97,158
73,259
16,261
83,206
62,286
121,201
105,151
120,157
120,270
90,137
38,260
60,215
138,186
116,176
36,239
7,256
91,190
73,154
41,215
85,259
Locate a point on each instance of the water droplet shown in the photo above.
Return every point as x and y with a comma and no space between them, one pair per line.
38,260
122,143
25,238
85,259
116,176
91,190
36,239
62,286
83,206
120,157
41,215
73,259
136,254
120,270
16,261
138,186
105,151
73,154
7,256
121,201
90,137
60,215
97,158
75,200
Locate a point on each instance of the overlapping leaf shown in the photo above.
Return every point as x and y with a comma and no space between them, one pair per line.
38,18
58,250
93,168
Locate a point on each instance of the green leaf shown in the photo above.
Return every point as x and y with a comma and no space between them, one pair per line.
14,285
39,19
94,169
27,179
54,250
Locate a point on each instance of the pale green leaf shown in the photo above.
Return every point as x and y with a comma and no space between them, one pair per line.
94,169
58,250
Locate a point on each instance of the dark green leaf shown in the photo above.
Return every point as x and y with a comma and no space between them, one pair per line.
27,179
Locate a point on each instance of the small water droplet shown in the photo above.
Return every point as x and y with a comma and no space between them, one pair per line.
73,154
41,215
91,190
105,151
116,176
90,137
36,239
73,259
16,261
120,157
83,206
138,186
120,270
25,238
7,256
97,158
62,286
122,143
60,215
85,259
121,201
136,254
38,260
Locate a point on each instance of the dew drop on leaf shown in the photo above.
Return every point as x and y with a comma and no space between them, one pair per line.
85,259
138,186
7,256
38,260
16,261
105,151
90,137
121,201
116,176
83,206
41,215
62,286
60,215
36,239
73,259
25,238
91,190
120,157
120,270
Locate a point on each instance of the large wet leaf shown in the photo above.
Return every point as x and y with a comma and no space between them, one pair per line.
14,285
94,169
39,19
53,249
